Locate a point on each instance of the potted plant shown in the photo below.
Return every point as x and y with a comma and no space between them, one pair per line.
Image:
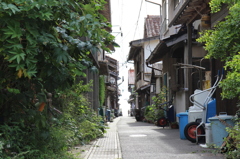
174,125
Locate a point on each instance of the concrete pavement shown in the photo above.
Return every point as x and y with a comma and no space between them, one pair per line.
108,147
141,140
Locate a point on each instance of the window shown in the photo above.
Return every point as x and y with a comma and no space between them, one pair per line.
180,74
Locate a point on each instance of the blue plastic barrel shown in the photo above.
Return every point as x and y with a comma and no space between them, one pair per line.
183,121
219,125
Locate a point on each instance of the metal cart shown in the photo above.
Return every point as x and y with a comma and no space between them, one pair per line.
194,131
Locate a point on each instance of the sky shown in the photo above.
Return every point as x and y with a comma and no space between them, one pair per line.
127,25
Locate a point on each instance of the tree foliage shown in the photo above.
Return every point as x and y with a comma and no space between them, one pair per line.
45,46
223,42
50,40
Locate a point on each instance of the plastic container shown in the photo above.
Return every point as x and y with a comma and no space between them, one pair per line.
183,121
208,131
201,97
194,113
219,124
211,109
197,113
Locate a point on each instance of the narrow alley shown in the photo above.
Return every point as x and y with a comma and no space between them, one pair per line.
128,139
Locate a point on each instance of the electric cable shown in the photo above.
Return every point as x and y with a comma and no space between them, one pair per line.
138,19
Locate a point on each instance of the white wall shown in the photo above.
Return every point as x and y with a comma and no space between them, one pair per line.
179,102
158,85
149,46
171,12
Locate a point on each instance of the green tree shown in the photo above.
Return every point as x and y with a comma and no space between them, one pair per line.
50,40
223,42
45,46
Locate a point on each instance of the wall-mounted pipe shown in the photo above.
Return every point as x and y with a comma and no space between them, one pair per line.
152,67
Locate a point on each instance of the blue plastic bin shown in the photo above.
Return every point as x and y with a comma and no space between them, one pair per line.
219,125
211,109
183,121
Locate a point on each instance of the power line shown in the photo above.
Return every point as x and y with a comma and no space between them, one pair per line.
138,19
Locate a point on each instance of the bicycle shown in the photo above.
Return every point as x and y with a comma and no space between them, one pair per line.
164,121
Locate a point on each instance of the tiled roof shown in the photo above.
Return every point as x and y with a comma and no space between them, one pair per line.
152,26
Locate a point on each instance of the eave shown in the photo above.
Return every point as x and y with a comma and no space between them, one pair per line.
144,87
133,52
160,50
137,45
166,45
190,11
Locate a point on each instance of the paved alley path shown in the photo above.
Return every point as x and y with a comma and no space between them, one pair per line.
141,140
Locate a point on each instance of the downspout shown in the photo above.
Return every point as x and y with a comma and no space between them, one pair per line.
144,76
152,67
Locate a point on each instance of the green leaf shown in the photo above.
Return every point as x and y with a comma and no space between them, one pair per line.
61,55
19,55
32,28
81,45
31,73
13,8
41,97
13,90
13,29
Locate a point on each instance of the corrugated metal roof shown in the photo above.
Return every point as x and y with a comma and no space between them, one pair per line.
152,26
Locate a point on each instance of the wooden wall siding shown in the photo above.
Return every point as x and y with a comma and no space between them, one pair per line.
93,96
223,105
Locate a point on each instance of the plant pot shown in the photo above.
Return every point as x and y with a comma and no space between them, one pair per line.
174,126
